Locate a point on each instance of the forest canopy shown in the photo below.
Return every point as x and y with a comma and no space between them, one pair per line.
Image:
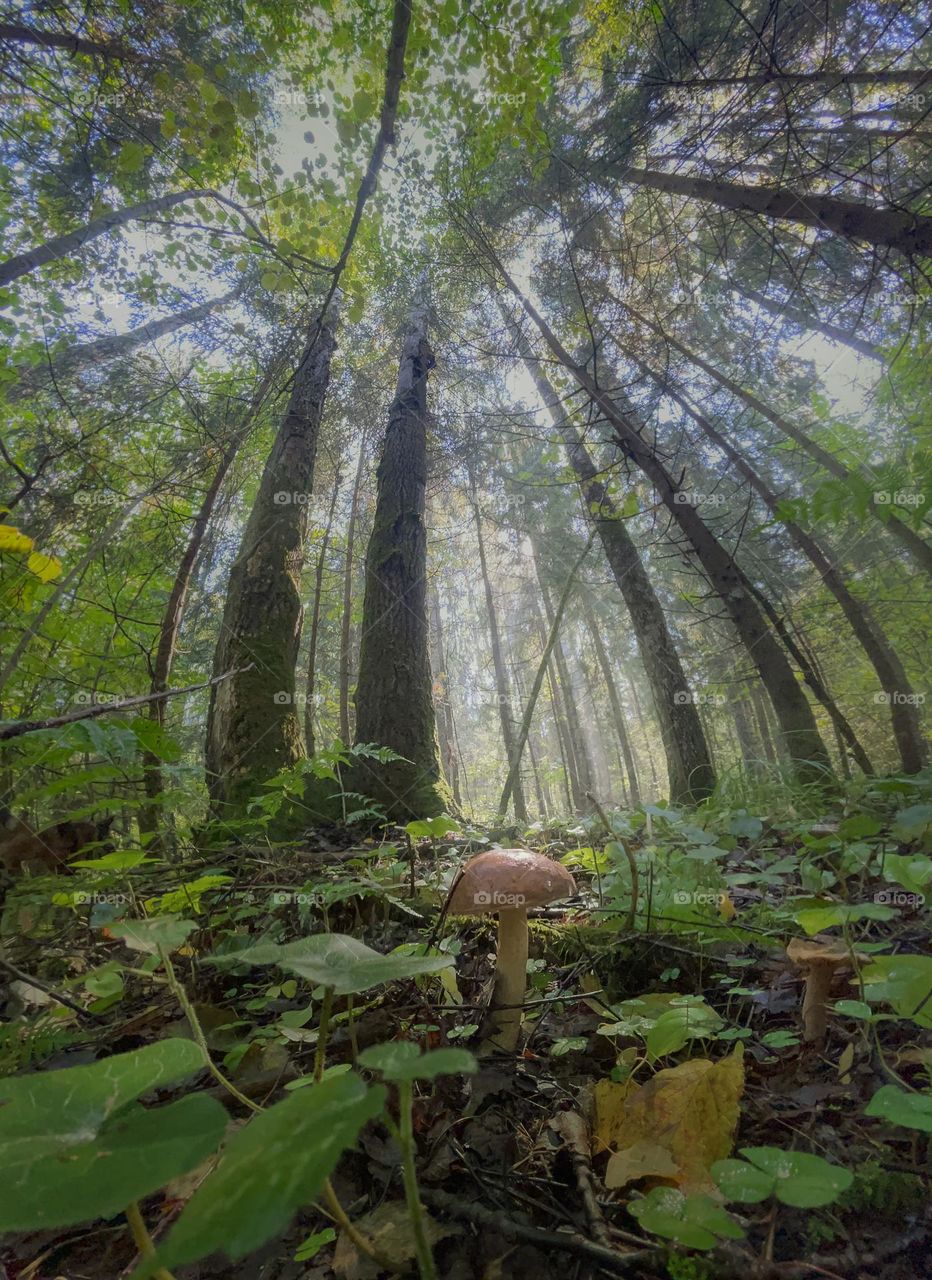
448,432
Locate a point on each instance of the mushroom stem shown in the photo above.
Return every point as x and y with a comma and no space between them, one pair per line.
815,1000
510,979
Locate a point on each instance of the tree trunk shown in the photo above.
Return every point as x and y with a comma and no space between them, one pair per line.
646,731
253,730
502,690
76,358
442,705
62,246
570,777
346,623
763,726
394,707
797,722
920,550
805,321
310,687
907,728
614,702
689,769
909,233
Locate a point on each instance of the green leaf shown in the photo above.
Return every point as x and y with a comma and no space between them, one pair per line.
912,823
911,1110
131,158
432,828
859,826
169,932
801,1180
73,1148
340,962
853,1009
737,1180
402,1060
310,1247
679,1025
274,1166
694,1221
903,981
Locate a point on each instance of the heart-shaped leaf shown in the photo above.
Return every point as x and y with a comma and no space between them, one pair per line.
402,1060
911,1110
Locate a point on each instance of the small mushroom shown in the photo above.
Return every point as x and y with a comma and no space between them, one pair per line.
818,959
506,882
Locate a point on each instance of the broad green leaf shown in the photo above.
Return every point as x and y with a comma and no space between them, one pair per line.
801,1180
343,963
903,981
912,823
169,932
679,1025
402,1060
274,1166
694,1221
73,1147
737,1180
911,1110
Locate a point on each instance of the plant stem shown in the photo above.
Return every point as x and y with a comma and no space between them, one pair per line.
323,1029
404,1136
351,1028
197,1031
142,1238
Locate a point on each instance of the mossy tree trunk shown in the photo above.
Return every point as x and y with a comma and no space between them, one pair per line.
253,729
394,703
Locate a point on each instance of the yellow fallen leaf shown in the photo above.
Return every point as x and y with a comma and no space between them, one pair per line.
608,1113
726,908
643,1160
845,1062
691,1111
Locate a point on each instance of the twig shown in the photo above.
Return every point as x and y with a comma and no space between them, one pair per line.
573,1130
19,727
619,1263
49,991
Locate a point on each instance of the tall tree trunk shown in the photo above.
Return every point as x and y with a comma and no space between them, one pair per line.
76,358
614,702
911,540
570,776
907,728
744,732
544,802
394,707
346,622
909,233
582,766
310,687
169,631
689,769
502,690
646,731
253,730
442,705
797,722
804,320
763,725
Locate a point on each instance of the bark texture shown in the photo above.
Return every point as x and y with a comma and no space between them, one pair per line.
394,704
253,730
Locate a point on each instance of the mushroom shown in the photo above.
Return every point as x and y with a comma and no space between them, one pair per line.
507,882
818,959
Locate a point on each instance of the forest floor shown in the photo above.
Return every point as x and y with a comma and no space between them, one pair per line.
652,1052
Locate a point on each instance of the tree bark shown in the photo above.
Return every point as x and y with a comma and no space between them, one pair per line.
346,622
442,705
394,706
908,233
806,321
614,702
310,688
101,350
689,769
919,549
890,672
797,722
62,246
17,33
253,730
502,689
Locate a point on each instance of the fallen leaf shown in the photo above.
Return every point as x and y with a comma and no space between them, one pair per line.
643,1160
691,1111
608,1113
389,1229
845,1062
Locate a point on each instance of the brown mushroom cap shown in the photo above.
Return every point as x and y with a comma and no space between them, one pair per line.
501,879
818,951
